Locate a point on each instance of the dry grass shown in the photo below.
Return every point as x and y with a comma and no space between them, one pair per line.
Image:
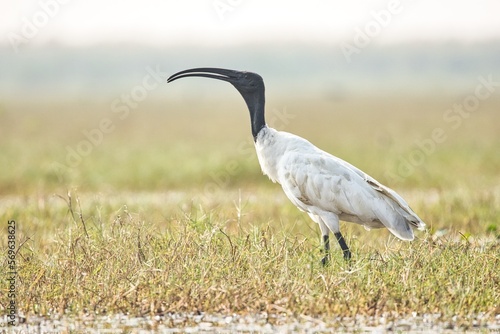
154,222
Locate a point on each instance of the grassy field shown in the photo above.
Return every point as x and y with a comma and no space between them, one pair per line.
166,210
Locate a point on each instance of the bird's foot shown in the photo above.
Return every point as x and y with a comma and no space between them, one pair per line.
326,260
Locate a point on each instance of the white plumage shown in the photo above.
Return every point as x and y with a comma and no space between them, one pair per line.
328,188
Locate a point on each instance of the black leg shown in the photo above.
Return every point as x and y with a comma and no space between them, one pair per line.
326,241
343,245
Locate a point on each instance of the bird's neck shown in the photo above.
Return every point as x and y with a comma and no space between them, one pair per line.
255,103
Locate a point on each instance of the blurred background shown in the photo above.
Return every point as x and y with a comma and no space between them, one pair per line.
84,101
92,136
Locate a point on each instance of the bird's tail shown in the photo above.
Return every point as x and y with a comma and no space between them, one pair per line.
398,220
400,228
416,222
398,207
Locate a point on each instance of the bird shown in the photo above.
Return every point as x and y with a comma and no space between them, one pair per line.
324,186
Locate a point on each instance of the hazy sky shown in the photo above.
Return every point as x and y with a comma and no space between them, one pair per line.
226,22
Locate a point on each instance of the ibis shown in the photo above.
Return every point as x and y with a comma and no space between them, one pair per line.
324,186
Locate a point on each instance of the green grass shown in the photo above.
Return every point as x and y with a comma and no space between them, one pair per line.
171,213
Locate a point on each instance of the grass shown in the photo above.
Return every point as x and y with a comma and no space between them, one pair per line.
170,213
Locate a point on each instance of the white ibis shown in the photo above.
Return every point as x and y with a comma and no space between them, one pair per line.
328,188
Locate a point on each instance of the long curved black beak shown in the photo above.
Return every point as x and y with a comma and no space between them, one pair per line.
250,85
207,72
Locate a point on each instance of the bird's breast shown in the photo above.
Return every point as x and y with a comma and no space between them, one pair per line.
276,148
270,150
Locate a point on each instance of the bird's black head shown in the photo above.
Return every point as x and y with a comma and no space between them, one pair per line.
249,84
244,82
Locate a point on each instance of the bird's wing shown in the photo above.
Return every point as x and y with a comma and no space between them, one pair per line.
409,214
326,183
320,181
